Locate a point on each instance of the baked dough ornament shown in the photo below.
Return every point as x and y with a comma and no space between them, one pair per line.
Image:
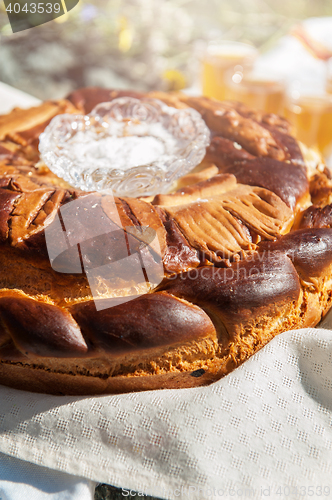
244,242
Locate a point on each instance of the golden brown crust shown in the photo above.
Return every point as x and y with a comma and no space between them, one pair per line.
87,98
236,274
217,184
224,152
26,377
289,183
39,329
228,123
19,131
219,226
321,188
238,296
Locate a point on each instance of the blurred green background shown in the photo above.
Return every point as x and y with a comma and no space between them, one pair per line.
141,44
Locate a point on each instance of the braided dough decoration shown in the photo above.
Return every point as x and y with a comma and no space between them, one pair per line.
244,240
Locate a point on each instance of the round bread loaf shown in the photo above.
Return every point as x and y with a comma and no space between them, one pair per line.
244,242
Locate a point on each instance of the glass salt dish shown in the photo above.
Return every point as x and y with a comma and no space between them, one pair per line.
135,147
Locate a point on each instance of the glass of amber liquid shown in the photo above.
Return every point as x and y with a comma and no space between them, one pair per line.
310,113
329,77
258,89
219,57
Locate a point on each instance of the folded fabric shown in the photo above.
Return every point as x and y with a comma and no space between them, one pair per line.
23,480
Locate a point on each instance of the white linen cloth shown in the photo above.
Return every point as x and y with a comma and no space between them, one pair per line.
265,430
23,480
266,427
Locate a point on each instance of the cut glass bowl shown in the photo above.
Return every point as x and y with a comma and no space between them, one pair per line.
135,147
